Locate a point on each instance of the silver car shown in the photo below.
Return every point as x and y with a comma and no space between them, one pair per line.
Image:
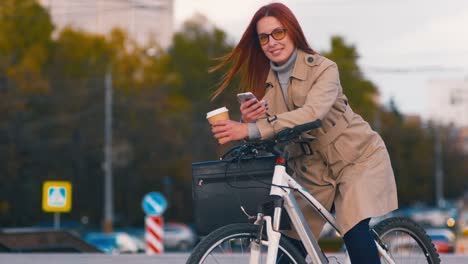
179,236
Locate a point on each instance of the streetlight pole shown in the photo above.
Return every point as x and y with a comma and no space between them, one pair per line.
439,172
108,181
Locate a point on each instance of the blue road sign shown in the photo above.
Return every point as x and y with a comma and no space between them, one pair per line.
154,203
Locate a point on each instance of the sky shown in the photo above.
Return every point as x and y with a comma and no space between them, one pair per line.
403,44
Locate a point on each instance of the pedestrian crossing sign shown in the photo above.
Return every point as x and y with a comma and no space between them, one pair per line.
56,196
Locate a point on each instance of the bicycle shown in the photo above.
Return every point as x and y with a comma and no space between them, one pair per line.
398,240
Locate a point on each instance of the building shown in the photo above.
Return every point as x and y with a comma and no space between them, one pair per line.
142,19
448,102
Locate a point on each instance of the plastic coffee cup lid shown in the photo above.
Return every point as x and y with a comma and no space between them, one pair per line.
217,111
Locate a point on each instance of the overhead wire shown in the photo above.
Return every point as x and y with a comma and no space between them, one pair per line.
408,70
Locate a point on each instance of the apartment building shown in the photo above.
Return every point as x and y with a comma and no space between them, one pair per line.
142,19
448,104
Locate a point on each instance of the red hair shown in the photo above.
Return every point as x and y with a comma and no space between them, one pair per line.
248,57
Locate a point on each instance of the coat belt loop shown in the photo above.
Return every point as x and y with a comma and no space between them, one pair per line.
348,114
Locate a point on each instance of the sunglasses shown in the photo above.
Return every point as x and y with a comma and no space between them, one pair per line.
277,34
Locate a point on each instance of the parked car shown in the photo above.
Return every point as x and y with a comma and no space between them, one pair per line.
443,238
179,236
463,222
431,217
114,243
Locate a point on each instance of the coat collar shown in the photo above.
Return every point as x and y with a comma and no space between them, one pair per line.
303,60
271,78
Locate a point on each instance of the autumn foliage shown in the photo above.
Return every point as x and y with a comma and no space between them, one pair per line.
52,118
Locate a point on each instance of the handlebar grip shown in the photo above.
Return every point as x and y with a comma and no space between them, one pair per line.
308,126
291,133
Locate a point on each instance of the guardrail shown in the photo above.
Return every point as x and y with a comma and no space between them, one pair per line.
34,240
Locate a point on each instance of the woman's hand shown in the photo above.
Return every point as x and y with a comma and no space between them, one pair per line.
252,110
227,130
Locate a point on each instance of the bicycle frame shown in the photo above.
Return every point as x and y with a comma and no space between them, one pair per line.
289,202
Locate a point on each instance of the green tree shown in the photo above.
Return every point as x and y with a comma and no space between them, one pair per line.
410,148
25,40
74,115
453,159
152,117
361,92
56,132
194,51
52,112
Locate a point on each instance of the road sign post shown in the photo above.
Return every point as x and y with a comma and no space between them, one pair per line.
154,204
56,198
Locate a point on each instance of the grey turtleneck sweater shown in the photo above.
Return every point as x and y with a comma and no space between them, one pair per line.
284,73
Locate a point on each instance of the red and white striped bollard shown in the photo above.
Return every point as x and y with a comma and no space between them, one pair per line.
154,234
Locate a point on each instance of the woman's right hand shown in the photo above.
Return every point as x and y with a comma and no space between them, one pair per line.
252,110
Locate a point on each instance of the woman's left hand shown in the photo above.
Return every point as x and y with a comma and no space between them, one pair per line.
253,110
227,130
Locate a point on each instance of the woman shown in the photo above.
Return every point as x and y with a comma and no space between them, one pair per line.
347,165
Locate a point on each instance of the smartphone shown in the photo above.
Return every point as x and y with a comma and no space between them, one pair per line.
243,97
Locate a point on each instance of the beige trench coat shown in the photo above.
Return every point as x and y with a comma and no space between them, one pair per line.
350,165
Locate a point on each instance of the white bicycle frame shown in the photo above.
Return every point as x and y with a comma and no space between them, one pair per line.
282,178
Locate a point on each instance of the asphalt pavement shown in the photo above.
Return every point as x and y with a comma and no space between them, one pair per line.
172,258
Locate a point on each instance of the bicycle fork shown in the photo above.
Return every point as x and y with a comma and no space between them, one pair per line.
274,237
382,248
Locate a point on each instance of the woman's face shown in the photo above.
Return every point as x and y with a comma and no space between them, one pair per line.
277,50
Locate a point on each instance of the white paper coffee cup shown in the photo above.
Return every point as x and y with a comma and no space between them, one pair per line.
216,115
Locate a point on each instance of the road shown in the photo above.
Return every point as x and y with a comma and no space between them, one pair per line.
58,258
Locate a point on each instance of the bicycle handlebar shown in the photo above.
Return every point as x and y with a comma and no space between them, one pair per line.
284,136
290,134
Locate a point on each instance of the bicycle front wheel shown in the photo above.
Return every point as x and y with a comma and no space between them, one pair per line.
406,241
231,244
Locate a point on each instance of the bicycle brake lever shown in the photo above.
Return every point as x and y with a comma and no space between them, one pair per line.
249,217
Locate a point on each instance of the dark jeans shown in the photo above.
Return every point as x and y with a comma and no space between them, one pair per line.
359,243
